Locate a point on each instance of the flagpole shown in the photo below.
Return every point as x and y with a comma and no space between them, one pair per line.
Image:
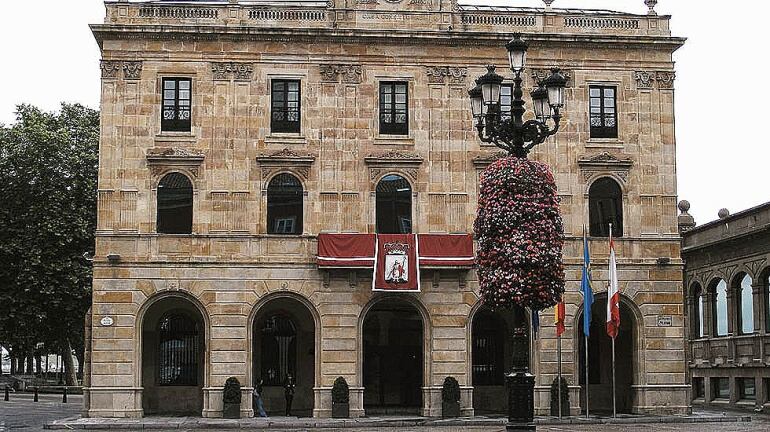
558,354
609,299
586,339
614,406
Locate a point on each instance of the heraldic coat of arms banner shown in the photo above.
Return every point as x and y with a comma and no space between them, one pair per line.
396,267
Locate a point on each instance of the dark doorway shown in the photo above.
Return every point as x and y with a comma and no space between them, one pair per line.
284,343
173,362
600,360
393,338
491,359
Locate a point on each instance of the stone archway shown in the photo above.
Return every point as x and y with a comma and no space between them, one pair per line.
600,359
173,357
284,342
393,334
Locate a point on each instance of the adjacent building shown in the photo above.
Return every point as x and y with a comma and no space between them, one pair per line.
249,148
727,287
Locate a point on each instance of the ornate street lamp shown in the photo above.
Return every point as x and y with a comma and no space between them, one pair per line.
513,134
518,137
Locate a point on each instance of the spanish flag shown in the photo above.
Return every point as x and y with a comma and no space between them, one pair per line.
559,318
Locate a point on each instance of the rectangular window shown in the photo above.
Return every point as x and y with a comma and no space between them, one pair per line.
698,388
394,108
177,105
285,106
746,389
604,114
506,101
720,388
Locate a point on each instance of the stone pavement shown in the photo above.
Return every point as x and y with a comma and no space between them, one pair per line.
717,421
20,413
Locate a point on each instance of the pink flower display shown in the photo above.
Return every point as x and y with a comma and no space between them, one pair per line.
520,235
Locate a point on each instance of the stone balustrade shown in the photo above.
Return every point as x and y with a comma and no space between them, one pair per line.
322,15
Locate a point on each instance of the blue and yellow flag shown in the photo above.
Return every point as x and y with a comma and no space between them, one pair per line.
588,294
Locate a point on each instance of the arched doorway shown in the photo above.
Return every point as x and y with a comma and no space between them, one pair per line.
173,358
491,359
284,344
600,359
393,342
394,205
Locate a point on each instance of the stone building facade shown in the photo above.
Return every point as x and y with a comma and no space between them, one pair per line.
727,289
259,127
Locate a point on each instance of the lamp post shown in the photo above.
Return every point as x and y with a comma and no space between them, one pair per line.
518,137
513,134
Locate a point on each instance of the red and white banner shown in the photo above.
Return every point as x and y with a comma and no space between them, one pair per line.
346,250
438,250
613,296
396,267
396,258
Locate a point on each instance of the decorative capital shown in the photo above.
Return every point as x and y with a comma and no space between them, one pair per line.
438,74
666,79
351,74
109,69
132,70
644,79
232,70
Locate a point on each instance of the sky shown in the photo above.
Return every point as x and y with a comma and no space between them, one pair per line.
50,57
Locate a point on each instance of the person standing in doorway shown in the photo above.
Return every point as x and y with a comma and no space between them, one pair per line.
288,386
259,409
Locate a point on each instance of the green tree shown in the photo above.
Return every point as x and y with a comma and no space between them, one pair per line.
48,182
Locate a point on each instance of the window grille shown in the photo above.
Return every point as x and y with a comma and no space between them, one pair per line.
178,346
177,105
394,108
285,112
604,114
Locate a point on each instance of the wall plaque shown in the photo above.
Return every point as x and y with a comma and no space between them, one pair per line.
107,321
665,321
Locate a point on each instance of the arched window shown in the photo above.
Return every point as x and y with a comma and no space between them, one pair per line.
605,201
175,204
279,349
719,307
284,205
178,343
394,205
745,297
698,324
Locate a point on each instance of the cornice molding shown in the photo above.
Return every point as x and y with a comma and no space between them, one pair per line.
286,157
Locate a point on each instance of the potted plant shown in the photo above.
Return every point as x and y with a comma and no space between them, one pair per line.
231,398
555,397
340,398
450,398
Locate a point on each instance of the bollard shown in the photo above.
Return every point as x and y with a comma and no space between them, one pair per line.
35,399
6,393
64,395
